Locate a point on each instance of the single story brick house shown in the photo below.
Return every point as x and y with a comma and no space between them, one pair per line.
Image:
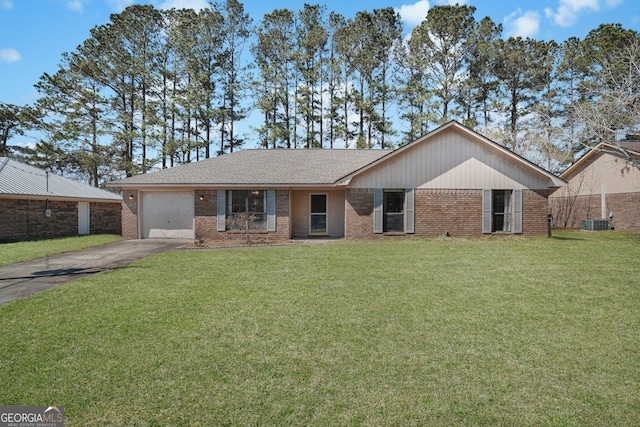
36,204
602,184
452,180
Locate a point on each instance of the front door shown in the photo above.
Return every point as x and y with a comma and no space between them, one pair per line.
84,225
318,214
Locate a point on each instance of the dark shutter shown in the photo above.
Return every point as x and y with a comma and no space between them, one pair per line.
377,210
222,208
409,201
486,211
271,210
517,211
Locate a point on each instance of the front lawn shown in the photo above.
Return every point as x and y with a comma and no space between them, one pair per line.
13,252
493,331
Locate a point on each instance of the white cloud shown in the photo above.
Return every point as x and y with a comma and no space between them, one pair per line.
75,5
567,12
520,24
6,4
414,14
185,4
9,55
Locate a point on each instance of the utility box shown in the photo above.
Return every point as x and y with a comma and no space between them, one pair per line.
595,224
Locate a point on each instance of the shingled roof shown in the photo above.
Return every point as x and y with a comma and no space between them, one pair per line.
304,167
23,181
630,145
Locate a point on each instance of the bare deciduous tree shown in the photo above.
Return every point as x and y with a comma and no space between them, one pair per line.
611,111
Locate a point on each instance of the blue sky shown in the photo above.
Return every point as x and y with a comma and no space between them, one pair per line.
35,33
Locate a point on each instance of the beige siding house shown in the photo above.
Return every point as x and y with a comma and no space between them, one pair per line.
451,181
603,184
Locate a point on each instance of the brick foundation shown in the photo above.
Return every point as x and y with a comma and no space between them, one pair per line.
25,219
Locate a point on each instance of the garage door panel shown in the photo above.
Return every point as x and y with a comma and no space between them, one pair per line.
167,215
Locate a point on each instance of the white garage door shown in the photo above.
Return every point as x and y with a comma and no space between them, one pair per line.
167,215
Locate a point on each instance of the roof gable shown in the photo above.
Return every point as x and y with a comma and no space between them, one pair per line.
473,149
603,168
19,179
599,150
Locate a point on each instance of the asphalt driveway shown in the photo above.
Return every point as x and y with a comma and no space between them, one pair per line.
30,277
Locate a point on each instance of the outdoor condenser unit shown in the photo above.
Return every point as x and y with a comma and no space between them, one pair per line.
595,224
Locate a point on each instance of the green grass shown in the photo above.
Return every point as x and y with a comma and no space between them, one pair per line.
493,331
11,253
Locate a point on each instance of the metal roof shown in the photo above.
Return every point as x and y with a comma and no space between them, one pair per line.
311,167
21,180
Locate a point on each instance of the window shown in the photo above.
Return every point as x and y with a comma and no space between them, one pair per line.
246,204
501,210
393,211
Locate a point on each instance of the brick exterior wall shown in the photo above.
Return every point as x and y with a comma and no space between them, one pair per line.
359,214
535,212
206,211
130,214
106,218
626,211
570,211
206,219
458,212
25,219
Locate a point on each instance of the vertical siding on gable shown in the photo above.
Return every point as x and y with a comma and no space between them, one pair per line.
605,169
449,161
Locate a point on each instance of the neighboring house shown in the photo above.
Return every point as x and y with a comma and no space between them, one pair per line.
601,185
35,204
451,180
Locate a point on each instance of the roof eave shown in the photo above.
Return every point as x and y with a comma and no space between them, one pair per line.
158,185
59,198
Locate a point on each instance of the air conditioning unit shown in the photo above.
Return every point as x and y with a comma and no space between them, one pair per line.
595,224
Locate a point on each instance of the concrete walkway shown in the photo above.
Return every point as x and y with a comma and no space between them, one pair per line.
30,277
